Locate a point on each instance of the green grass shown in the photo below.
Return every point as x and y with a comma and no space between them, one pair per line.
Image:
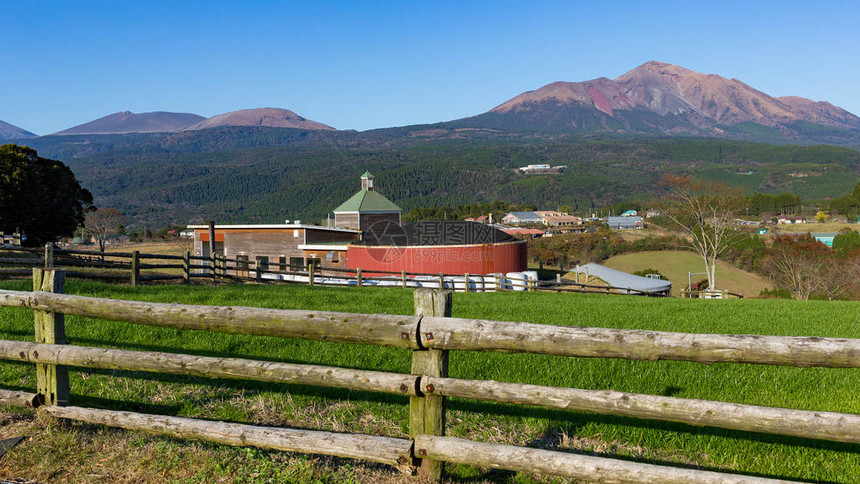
70,447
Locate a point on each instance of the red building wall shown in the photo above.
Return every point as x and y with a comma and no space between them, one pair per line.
433,259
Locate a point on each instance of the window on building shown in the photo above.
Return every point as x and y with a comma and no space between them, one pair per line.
316,261
297,264
264,262
282,263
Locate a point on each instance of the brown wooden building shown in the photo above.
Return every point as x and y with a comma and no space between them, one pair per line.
282,247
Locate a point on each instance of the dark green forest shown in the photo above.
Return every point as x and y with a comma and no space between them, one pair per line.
269,175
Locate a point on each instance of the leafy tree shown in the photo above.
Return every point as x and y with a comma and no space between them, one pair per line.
704,211
849,204
846,242
38,196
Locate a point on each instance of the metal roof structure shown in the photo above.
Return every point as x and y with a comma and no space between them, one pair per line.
623,222
368,201
434,232
523,217
623,279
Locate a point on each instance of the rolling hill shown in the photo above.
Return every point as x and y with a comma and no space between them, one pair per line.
234,174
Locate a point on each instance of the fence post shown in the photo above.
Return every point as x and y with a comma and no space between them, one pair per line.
258,267
441,281
135,267
427,411
186,267
403,278
52,381
466,276
213,260
311,273
49,256
358,276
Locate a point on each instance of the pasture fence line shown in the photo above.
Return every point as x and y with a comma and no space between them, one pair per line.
430,334
136,268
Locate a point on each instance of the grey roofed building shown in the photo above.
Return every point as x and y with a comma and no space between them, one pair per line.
616,278
625,222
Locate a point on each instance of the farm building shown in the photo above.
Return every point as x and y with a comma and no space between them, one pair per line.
282,246
616,278
557,219
522,218
825,238
367,234
790,219
621,223
431,247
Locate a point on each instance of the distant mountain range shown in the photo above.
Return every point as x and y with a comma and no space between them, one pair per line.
664,99
654,99
10,132
165,122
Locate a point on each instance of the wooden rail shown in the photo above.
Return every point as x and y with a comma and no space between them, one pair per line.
430,334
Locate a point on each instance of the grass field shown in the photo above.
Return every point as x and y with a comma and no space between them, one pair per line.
70,452
675,264
814,227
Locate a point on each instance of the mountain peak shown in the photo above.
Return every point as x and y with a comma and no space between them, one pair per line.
129,122
10,132
665,98
266,117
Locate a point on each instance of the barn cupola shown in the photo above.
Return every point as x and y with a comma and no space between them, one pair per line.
367,181
366,208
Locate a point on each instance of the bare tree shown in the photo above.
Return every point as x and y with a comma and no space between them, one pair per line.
801,264
704,211
103,223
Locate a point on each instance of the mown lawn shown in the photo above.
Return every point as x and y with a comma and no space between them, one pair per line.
61,451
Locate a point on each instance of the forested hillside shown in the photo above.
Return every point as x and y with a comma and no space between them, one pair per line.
269,174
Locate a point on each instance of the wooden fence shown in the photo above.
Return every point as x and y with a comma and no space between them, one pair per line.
431,333
136,268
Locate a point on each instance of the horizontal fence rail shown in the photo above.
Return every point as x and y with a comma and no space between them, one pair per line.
832,426
430,334
378,329
563,464
209,367
386,450
445,333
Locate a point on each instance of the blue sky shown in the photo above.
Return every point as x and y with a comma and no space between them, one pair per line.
365,65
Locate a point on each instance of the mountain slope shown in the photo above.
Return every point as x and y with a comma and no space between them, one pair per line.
664,99
128,122
265,117
10,132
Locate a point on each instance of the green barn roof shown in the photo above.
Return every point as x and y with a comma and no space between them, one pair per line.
366,201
